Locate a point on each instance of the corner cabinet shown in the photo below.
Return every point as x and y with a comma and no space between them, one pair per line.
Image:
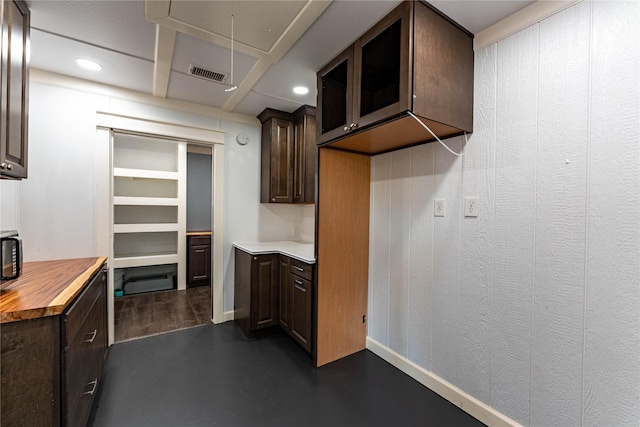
273,289
288,156
14,90
414,60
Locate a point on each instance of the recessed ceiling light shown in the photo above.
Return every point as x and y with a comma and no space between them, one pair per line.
300,90
89,65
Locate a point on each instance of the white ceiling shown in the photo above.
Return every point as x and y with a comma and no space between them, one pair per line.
278,44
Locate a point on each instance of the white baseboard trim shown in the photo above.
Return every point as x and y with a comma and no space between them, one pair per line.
453,394
227,316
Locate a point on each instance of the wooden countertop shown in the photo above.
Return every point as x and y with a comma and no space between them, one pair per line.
45,288
199,233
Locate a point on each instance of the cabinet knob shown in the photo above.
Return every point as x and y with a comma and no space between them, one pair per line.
10,166
4,165
351,127
273,200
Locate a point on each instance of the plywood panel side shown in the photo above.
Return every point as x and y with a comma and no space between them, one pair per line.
343,253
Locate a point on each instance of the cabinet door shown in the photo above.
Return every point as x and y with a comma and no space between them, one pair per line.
281,161
14,89
301,311
382,59
199,264
264,291
305,154
335,95
284,317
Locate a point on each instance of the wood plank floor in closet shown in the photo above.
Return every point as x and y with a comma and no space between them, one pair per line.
153,313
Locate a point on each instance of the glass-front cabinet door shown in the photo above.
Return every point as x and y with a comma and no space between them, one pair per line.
370,81
381,83
335,103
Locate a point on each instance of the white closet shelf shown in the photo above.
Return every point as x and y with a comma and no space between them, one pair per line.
145,201
144,173
141,261
144,228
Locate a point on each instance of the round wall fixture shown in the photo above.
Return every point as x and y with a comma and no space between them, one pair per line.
242,138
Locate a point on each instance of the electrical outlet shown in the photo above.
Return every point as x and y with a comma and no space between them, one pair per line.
294,230
438,207
471,206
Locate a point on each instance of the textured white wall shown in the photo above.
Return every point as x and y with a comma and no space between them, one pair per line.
534,306
56,209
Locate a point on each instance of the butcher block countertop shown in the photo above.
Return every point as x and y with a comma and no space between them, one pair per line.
45,288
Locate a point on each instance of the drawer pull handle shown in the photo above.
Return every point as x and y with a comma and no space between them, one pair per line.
93,336
94,384
298,282
298,268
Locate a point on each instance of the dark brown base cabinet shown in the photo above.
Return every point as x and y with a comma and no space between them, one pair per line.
51,366
199,260
272,290
298,286
256,291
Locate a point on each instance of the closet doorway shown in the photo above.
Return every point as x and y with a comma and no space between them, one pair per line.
162,193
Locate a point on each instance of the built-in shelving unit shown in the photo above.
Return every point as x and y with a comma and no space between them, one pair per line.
148,192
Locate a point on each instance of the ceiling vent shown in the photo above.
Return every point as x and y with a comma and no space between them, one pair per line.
204,73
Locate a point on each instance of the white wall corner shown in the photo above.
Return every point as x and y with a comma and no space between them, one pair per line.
518,21
448,391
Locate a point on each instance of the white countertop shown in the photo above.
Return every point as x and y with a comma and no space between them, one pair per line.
303,251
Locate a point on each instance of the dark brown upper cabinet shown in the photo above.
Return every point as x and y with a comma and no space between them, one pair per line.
14,89
288,156
414,60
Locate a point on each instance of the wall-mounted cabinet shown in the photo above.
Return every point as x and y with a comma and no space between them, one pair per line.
288,156
148,187
414,60
14,88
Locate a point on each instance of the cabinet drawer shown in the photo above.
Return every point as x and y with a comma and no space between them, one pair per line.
83,352
77,414
199,240
74,317
83,358
302,269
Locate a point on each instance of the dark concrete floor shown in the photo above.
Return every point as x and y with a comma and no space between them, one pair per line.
213,375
